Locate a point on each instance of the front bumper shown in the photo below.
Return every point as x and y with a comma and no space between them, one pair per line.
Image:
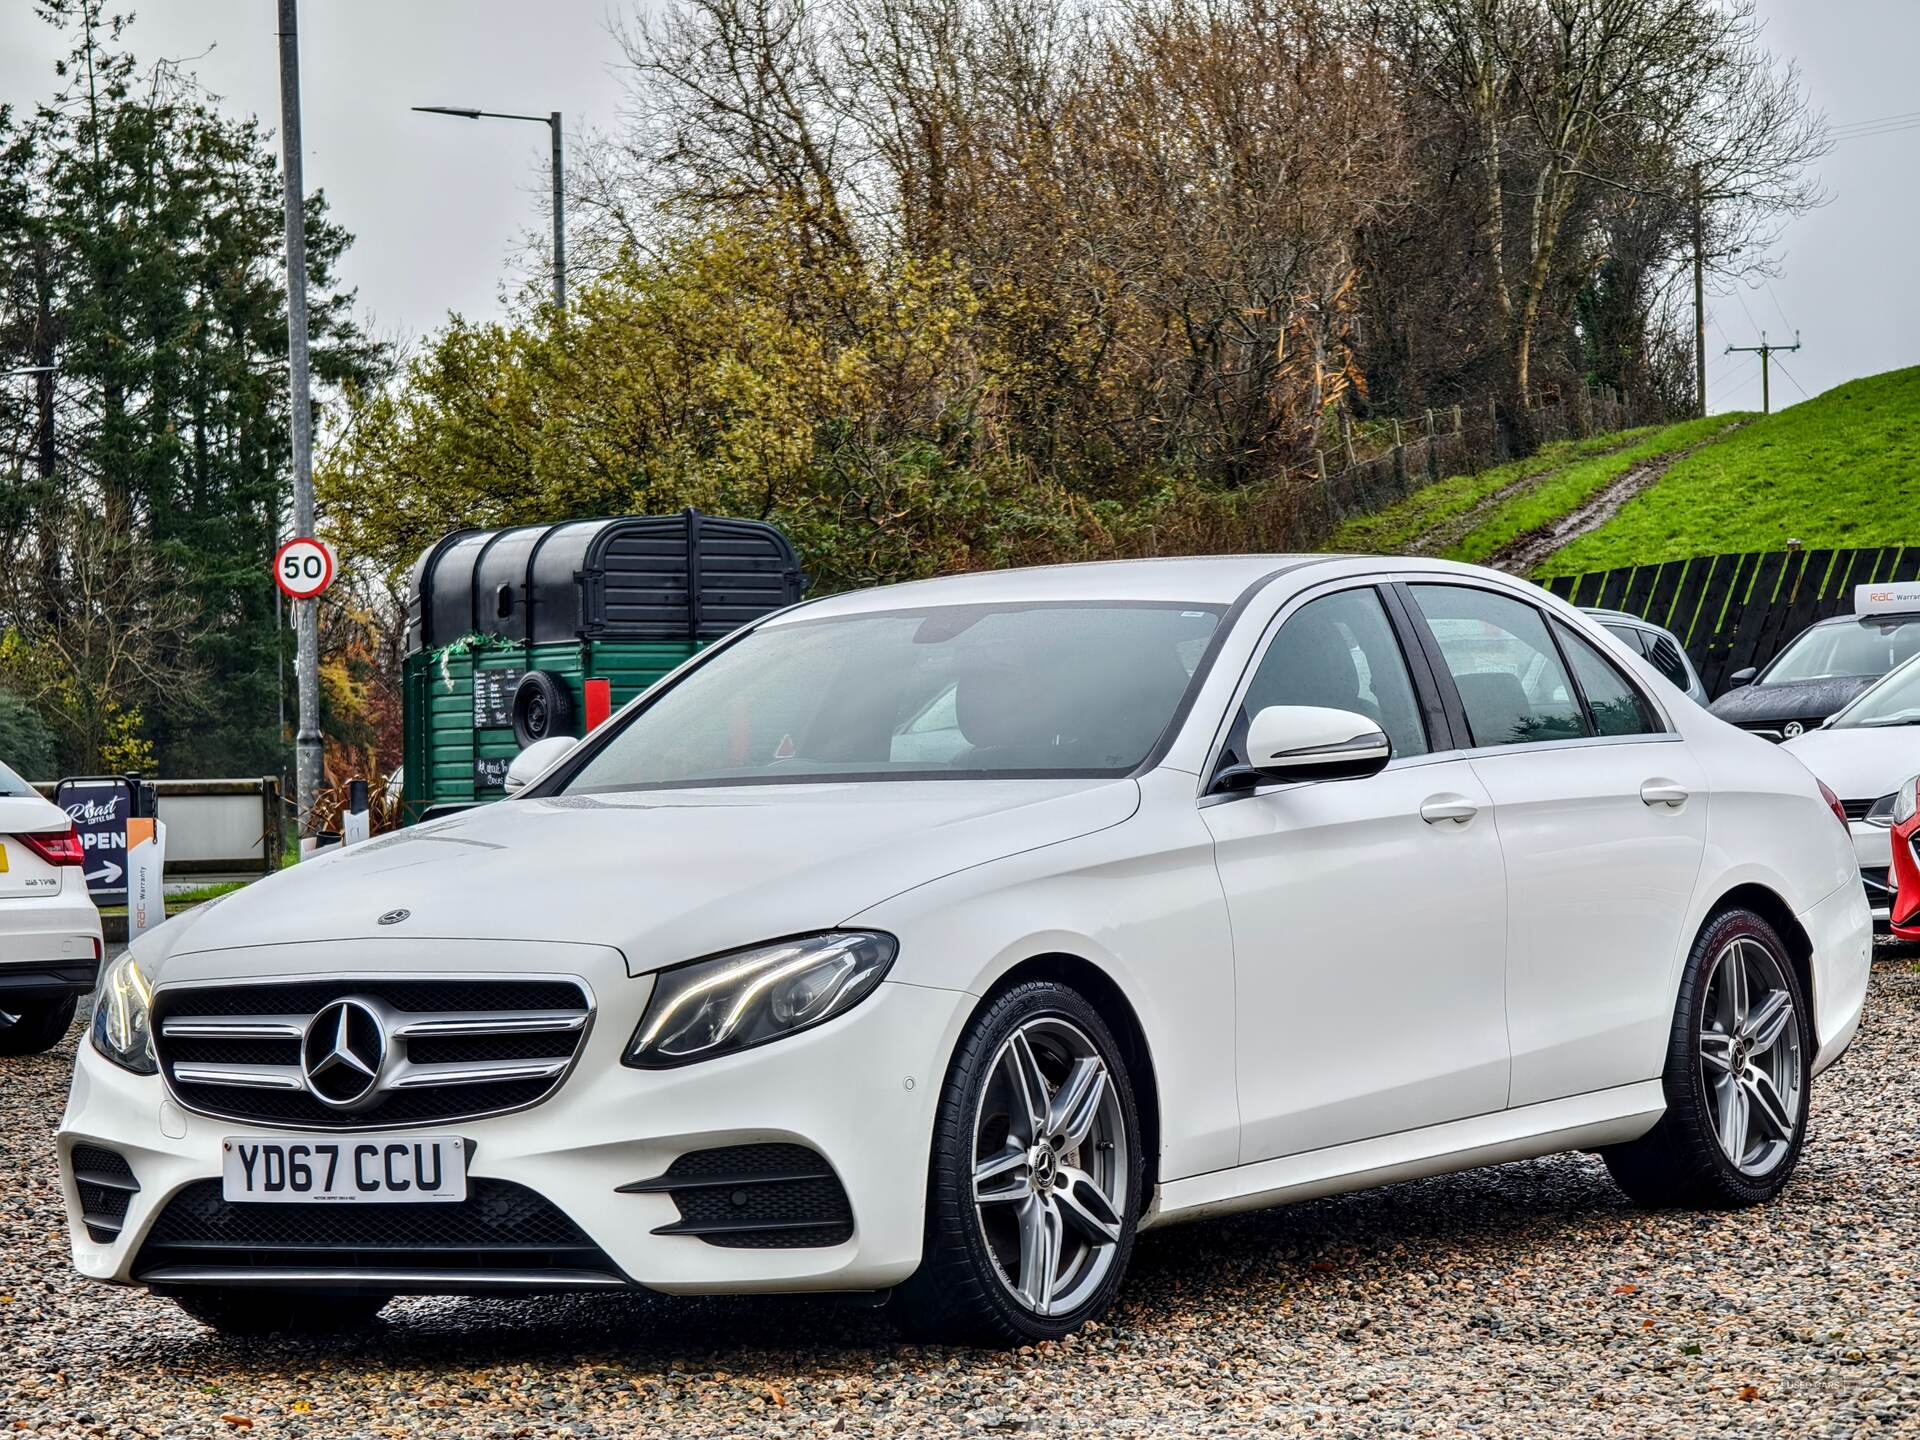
49,948
1841,930
858,1091
1873,849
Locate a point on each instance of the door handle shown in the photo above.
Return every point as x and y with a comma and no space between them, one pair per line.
1456,808
1665,792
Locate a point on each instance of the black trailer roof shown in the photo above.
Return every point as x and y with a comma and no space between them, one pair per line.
642,577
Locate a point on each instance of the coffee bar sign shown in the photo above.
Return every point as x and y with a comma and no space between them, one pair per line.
99,808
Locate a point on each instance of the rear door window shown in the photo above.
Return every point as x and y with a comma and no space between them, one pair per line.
1615,705
1504,664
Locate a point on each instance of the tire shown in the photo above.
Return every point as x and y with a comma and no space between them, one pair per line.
41,1026
274,1312
975,1283
1722,1051
542,707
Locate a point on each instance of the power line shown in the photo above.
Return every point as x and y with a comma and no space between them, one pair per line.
1796,384
1872,134
1777,307
1879,120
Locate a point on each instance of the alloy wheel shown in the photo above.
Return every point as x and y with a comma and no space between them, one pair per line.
1750,1056
1050,1166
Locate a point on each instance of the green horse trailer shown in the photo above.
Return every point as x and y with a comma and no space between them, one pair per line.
514,635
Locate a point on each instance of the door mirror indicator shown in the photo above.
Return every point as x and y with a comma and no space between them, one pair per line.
1311,742
536,758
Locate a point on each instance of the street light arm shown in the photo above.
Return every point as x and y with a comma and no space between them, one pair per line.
466,114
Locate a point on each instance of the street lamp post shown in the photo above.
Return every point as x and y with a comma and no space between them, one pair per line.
552,122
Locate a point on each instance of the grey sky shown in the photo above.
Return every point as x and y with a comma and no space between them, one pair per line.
439,206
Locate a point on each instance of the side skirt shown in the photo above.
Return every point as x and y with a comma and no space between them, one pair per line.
1579,1122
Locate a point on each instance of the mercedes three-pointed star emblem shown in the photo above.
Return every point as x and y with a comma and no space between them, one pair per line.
342,1053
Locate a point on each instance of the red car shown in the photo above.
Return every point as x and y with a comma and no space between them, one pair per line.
1904,874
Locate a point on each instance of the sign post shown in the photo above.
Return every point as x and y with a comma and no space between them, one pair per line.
146,864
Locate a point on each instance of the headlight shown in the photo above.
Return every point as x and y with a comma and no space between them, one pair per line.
1907,801
746,998
121,1015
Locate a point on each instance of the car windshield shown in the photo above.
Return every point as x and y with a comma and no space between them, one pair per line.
1849,651
1078,689
12,786
1894,701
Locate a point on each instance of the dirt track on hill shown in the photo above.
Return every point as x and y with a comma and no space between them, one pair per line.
1520,555
1452,531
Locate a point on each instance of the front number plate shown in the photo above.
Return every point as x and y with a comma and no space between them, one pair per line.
345,1170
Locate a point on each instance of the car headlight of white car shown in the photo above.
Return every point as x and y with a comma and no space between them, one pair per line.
122,1017
1907,801
745,998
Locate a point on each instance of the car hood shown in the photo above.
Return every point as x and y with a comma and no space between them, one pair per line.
1860,763
1806,700
662,876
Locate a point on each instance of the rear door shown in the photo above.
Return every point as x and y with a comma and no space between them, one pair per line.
1601,812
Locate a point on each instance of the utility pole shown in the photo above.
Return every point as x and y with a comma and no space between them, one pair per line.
306,613
1766,353
1699,298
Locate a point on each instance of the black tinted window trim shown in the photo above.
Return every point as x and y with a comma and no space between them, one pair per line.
1450,695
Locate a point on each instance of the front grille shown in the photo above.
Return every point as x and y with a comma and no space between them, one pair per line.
106,1185
754,1197
449,1047
1857,809
500,1228
1877,881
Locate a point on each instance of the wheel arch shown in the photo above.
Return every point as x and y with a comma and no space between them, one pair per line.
1106,996
1772,907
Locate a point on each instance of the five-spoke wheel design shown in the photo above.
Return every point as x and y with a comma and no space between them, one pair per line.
1750,1056
1050,1165
1737,1078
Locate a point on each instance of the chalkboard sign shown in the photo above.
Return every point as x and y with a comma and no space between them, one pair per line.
99,809
490,771
493,697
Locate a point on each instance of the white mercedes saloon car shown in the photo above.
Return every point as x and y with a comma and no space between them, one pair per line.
937,939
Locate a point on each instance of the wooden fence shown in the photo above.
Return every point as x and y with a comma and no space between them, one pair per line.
1731,611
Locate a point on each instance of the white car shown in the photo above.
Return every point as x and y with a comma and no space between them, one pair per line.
1227,882
50,947
1864,754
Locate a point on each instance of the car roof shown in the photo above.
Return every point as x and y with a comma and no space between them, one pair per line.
1620,617
1878,617
1193,579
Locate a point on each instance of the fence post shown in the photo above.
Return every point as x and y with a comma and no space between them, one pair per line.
1433,460
1459,423
1326,490
1399,460
1346,436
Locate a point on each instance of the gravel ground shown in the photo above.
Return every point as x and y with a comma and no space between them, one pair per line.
1528,1300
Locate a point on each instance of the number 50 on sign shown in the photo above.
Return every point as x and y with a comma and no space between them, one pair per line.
303,568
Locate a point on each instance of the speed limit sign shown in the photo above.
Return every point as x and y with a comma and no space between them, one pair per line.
303,568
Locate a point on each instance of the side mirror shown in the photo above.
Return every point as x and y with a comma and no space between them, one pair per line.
1309,742
538,757
1744,676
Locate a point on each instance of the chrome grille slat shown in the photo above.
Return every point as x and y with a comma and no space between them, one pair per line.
235,1027
249,1077
415,1077
457,1046
526,1023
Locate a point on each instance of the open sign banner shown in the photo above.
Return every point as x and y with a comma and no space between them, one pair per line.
99,809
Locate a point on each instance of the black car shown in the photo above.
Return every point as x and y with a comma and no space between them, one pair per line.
1821,669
